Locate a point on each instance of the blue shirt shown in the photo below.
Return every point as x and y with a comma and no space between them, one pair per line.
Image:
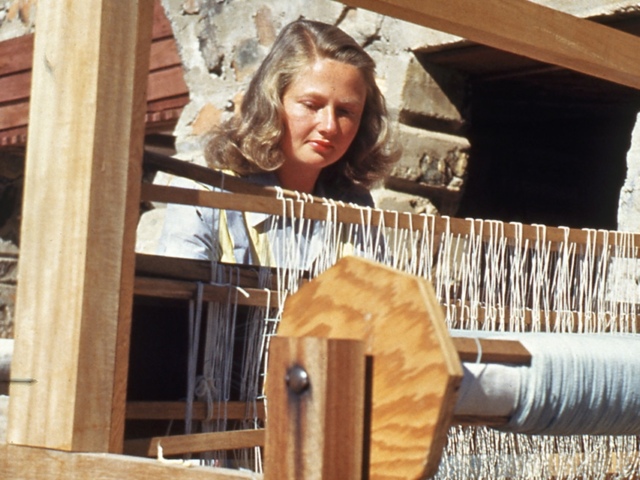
193,232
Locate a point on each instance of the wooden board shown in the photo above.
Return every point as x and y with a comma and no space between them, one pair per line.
166,87
37,463
416,370
316,396
526,28
196,443
81,198
263,203
175,410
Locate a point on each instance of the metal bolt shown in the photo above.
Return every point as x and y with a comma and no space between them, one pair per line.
297,379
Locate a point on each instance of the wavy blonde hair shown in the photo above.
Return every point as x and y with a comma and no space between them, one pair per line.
250,142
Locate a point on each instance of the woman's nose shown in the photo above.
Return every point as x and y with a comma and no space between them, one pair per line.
328,123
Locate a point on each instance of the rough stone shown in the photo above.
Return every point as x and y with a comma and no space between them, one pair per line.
590,8
433,97
7,308
402,202
431,157
629,205
17,18
8,269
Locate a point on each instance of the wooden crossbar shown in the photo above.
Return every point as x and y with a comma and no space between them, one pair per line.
548,236
528,29
181,290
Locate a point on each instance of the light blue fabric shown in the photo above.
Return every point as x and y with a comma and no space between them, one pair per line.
577,384
188,230
580,384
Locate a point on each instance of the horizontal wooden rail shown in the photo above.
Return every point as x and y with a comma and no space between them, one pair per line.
245,276
183,290
45,464
491,351
176,410
195,443
528,29
546,236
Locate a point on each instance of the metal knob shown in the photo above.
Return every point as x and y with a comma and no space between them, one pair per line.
297,379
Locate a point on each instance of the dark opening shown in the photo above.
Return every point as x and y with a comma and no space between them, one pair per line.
548,151
548,145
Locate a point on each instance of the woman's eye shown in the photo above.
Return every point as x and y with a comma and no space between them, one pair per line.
311,105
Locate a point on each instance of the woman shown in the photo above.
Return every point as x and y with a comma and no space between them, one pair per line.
312,120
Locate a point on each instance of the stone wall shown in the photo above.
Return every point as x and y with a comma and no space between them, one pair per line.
11,180
17,18
223,42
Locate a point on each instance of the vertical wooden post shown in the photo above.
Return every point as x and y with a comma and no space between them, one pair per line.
81,197
315,390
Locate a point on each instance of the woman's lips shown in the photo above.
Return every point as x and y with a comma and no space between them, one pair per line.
321,146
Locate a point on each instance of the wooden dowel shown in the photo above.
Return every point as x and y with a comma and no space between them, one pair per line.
546,235
20,462
211,177
477,421
491,351
182,290
199,270
176,410
196,443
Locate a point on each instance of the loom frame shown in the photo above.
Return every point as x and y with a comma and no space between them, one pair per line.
69,422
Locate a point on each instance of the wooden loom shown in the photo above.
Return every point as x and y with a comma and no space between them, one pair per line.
73,317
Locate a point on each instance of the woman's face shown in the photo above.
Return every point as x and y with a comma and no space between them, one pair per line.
322,110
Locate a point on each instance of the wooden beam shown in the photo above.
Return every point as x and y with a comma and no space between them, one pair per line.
316,391
528,29
30,463
491,351
199,270
81,197
353,214
196,443
175,410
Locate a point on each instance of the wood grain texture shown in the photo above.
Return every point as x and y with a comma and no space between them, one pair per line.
491,351
81,197
526,28
196,443
199,270
176,289
315,433
165,84
416,370
175,410
27,463
264,202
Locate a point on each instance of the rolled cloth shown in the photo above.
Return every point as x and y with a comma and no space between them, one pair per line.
577,384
